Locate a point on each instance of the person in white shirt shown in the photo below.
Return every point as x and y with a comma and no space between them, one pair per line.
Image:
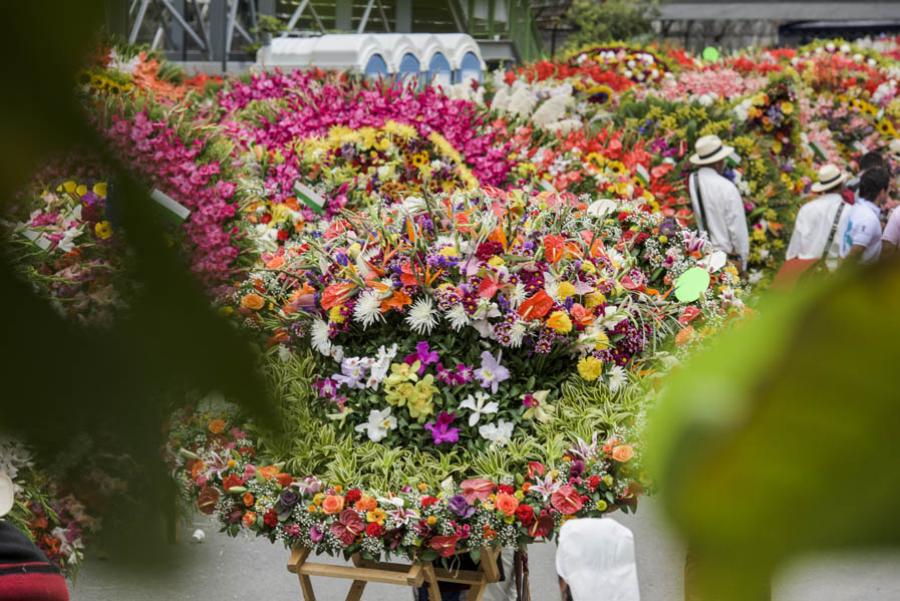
819,223
718,208
862,236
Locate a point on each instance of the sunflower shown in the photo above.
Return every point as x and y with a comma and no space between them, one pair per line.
886,129
420,159
595,160
601,94
617,167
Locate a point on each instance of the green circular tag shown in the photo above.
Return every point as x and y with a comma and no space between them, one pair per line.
691,284
710,54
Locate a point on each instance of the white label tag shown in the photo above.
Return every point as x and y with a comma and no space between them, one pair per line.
164,200
310,197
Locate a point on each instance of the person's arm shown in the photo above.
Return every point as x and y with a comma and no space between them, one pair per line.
737,227
855,254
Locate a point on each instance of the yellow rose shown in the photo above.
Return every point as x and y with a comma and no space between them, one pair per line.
100,189
560,322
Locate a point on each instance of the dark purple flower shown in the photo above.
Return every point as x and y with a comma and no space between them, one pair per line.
424,355
441,430
576,469
460,506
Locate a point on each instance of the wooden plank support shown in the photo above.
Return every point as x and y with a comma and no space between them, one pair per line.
434,593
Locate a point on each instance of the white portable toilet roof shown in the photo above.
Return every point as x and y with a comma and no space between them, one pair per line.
353,51
457,45
345,51
394,46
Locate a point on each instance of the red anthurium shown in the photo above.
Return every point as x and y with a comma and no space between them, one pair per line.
444,545
537,306
566,500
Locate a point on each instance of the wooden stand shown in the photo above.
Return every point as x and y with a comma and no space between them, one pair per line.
363,572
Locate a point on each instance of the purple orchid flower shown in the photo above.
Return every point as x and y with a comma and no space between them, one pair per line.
441,430
424,355
491,373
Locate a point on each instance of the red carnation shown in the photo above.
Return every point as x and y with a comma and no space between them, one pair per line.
374,530
525,514
353,495
284,479
428,501
594,482
506,488
271,518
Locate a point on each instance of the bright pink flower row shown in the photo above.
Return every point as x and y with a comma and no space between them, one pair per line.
312,104
156,151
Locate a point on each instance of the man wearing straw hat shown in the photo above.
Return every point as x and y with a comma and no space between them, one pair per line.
718,208
820,222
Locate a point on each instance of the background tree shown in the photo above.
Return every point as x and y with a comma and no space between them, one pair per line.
596,21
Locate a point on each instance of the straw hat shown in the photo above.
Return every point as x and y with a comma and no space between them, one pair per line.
6,495
829,177
709,150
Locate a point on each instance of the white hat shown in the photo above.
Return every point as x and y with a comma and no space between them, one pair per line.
597,555
709,150
7,496
829,177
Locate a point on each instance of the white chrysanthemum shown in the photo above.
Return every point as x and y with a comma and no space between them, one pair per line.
617,377
516,334
551,111
368,308
319,337
421,317
457,317
517,295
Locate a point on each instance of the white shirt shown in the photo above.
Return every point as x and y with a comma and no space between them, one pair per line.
863,229
813,226
723,218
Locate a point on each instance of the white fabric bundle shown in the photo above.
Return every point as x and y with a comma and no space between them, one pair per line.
596,559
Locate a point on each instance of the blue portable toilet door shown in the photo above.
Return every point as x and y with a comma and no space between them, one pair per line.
409,67
439,72
469,69
376,67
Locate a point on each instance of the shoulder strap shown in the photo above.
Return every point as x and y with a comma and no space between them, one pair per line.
834,227
701,222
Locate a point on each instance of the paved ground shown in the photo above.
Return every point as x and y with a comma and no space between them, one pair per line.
224,569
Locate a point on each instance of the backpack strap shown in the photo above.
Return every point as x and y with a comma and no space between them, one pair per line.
701,222
834,227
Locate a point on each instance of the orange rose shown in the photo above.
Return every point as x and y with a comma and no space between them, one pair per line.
333,504
253,301
249,519
247,499
268,472
507,503
366,503
623,453
275,262
684,336
217,426
197,468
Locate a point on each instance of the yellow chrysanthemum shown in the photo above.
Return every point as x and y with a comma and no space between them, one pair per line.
590,368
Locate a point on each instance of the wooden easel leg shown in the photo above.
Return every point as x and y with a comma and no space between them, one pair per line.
434,592
298,558
358,586
476,592
306,588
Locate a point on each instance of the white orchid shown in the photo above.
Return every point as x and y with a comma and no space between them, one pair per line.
479,405
499,433
379,424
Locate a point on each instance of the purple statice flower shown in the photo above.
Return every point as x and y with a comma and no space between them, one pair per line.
442,430
424,355
460,506
491,373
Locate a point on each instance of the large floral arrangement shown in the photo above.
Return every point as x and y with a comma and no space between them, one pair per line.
223,475
61,238
57,523
455,320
